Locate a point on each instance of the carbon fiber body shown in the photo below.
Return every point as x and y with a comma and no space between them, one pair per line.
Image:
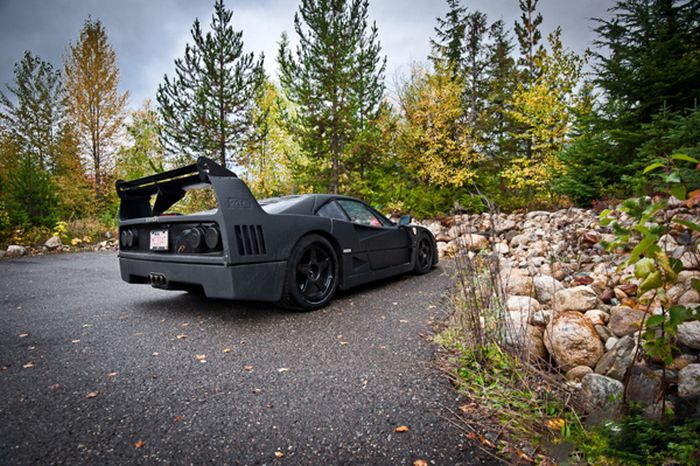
249,259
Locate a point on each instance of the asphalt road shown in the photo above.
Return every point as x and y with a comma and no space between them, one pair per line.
130,374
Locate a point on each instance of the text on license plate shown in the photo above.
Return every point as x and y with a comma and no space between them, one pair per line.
159,240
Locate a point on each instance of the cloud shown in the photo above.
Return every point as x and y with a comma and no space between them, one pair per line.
149,36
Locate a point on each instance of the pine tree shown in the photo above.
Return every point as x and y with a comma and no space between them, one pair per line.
335,78
448,47
206,106
33,116
95,104
502,81
475,63
269,151
651,62
529,36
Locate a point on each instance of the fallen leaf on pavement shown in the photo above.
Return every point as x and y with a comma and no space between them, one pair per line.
92,394
282,369
54,386
279,454
201,357
472,435
487,442
467,408
227,350
420,462
248,368
22,335
523,456
29,365
257,391
185,324
181,336
178,418
343,343
75,341
112,374
401,429
155,353
139,443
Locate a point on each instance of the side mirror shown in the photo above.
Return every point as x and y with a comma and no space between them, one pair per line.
405,220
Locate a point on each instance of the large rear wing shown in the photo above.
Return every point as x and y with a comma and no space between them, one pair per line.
169,187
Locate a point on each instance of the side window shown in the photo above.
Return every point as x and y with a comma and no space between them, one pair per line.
331,210
359,213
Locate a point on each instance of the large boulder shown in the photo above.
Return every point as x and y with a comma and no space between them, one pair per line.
601,393
53,242
689,334
573,341
625,320
546,287
579,298
474,242
615,362
523,304
15,250
517,282
689,381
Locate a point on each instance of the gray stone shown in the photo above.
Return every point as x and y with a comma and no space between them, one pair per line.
541,318
517,282
546,287
603,332
689,381
615,362
601,392
625,320
689,334
14,250
504,225
53,242
644,385
610,343
579,298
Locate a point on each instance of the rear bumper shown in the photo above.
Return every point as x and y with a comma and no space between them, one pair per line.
255,282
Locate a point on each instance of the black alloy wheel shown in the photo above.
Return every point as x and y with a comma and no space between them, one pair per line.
312,274
424,255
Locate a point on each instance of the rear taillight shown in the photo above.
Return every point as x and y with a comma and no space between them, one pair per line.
127,239
212,237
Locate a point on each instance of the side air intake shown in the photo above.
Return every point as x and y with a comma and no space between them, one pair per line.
250,240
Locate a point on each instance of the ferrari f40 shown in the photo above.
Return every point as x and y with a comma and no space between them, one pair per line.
294,250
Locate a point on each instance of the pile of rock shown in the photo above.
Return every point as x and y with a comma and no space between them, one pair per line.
573,303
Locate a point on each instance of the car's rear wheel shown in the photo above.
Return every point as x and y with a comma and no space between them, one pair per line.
312,274
425,255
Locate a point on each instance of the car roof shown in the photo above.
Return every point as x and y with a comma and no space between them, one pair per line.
306,204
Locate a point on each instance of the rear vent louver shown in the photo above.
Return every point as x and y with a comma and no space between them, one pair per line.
250,240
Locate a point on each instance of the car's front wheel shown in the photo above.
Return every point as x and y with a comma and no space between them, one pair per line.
312,274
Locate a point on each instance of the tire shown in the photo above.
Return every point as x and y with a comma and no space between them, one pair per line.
425,255
312,274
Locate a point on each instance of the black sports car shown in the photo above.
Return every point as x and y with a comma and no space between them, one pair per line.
295,250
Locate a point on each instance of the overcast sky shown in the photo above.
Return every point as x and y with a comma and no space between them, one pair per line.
149,34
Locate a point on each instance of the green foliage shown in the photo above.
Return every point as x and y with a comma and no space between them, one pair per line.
637,440
206,107
647,62
335,79
144,155
31,200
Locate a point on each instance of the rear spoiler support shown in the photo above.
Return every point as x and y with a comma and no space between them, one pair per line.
169,187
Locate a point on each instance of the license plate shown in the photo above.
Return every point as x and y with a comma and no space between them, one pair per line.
159,240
